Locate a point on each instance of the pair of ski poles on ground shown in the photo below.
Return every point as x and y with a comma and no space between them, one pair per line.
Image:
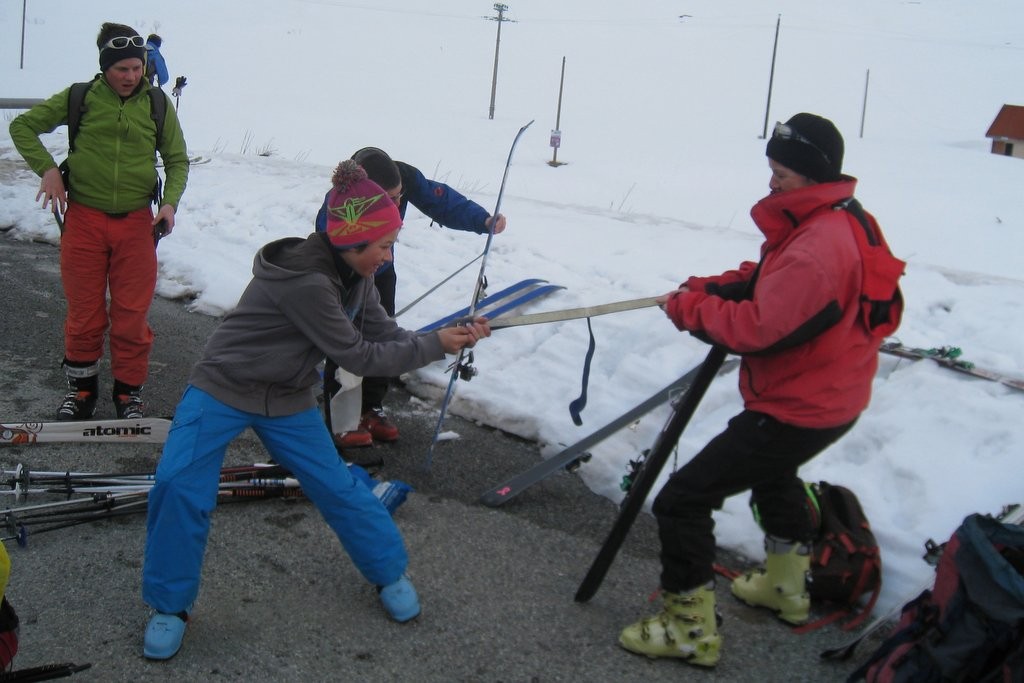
110,495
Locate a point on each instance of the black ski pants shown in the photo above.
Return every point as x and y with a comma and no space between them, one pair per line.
755,452
376,388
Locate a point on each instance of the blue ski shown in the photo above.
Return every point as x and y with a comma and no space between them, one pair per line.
486,301
509,304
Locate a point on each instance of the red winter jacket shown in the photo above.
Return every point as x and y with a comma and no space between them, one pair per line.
808,359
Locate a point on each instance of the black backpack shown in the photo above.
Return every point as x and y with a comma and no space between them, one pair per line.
970,625
76,107
846,563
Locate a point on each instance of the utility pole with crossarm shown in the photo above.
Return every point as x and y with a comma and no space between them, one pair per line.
500,9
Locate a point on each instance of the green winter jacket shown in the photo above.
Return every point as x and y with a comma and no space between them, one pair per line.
113,167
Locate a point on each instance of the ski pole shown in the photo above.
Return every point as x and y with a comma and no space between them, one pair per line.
20,473
57,217
23,531
87,515
133,487
21,527
430,291
43,506
45,672
60,507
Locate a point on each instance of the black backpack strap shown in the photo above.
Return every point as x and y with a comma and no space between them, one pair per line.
76,107
854,208
158,112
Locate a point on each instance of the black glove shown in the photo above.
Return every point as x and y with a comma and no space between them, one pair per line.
179,84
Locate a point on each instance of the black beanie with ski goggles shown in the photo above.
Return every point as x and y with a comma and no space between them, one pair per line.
117,42
809,145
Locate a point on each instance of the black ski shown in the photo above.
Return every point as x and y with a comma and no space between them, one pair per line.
648,472
571,456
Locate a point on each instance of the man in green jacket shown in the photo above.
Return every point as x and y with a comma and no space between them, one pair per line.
109,231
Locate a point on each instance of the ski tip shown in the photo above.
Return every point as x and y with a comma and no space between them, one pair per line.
497,497
841,653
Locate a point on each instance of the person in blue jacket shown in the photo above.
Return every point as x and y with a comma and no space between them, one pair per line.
405,184
156,68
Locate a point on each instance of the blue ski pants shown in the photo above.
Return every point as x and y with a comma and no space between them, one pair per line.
185,494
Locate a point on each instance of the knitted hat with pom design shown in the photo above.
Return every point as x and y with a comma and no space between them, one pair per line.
358,210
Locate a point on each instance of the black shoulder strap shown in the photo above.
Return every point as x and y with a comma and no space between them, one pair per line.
855,209
158,112
76,105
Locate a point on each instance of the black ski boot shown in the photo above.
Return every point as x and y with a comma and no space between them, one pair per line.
83,385
128,401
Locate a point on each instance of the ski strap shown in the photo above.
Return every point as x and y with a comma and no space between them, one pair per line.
576,407
572,313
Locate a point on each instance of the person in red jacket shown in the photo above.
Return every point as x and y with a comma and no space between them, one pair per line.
808,363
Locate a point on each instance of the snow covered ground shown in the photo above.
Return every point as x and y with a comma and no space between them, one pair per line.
662,115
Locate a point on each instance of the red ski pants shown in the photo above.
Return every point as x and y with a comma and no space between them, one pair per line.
99,252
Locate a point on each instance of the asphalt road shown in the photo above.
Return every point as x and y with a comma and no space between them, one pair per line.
281,601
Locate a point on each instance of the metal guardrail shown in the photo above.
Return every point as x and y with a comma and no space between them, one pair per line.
18,102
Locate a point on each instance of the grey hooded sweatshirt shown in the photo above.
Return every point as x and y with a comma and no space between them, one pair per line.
302,305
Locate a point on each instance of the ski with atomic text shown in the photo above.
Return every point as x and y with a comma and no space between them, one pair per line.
142,430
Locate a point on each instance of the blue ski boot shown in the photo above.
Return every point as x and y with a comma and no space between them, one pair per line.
400,600
164,634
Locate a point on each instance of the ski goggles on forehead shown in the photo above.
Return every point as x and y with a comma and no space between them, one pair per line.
121,42
786,132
